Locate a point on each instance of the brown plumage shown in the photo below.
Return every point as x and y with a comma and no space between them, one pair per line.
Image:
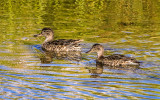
112,60
58,45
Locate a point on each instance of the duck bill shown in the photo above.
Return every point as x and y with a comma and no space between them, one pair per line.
89,51
37,35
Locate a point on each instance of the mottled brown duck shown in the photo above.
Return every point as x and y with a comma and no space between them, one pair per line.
58,45
112,60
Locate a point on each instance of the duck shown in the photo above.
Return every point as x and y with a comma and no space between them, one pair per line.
50,44
112,60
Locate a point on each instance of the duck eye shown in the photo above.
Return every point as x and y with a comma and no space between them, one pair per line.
98,48
47,33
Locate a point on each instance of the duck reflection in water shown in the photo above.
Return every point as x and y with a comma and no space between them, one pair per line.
96,72
46,58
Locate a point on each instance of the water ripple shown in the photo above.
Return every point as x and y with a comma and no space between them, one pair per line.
68,79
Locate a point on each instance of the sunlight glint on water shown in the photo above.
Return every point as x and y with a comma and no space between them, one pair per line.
128,28
73,80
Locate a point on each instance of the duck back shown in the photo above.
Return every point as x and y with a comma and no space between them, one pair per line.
118,60
62,45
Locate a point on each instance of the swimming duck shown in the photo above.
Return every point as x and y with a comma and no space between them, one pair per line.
112,60
58,45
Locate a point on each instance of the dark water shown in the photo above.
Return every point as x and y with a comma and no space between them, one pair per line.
122,27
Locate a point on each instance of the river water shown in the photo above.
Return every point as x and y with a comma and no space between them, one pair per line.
122,27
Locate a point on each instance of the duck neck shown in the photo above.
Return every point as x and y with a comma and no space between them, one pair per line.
100,54
49,39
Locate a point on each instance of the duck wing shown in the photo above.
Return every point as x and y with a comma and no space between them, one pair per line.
62,45
119,60
65,42
116,57
122,57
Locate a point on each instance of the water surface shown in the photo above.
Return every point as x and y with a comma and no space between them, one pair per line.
122,27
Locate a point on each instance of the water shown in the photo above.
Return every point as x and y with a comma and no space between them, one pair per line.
27,72
30,78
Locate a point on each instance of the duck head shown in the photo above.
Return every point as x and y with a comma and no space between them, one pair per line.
47,33
98,49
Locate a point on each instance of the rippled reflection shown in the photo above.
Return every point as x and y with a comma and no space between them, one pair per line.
96,72
47,57
67,79
128,27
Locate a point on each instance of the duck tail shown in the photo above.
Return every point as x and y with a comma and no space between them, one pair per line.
138,62
80,40
76,41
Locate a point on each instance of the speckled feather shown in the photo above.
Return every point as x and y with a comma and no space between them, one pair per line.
58,45
118,60
62,45
112,60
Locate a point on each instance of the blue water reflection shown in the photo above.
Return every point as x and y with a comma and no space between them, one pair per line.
72,80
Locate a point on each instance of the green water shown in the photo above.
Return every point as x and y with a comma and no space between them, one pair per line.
128,27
